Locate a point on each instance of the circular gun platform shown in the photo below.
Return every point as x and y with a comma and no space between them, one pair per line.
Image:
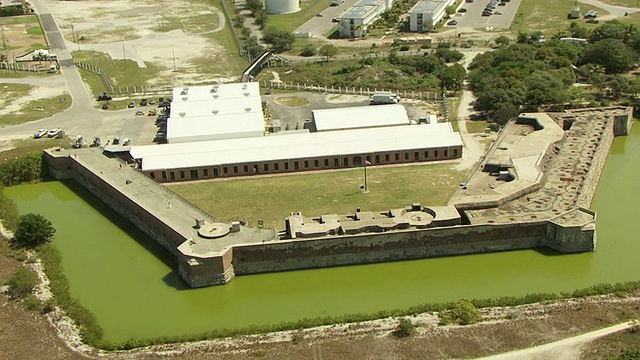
213,231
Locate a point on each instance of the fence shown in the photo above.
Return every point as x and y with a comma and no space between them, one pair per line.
96,70
21,67
352,90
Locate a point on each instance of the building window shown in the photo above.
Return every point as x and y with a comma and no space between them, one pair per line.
455,153
326,162
266,167
235,169
316,163
426,154
377,159
172,175
336,163
153,175
245,168
296,166
181,174
225,170
286,166
406,156
397,156
205,172
306,164
164,175
215,172
386,157
435,153
446,152
416,156
345,162
276,166
193,174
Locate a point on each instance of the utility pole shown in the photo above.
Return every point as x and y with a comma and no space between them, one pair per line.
124,55
174,58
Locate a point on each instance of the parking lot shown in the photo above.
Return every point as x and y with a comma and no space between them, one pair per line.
473,17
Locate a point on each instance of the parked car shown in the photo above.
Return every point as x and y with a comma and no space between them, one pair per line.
152,112
139,112
40,133
143,102
452,22
319,15
498,13
592,21
105,106
54,132
104,97
152,102
131,105
502,4
335,20
126,142
79,142
462,10
116,140
95,142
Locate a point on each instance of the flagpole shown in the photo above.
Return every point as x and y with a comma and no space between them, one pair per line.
365,177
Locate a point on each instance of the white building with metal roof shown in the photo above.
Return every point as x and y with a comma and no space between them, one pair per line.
213,112
298,152
424,15
359,117
354,22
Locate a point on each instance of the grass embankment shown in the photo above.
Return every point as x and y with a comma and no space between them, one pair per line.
314,194
290,22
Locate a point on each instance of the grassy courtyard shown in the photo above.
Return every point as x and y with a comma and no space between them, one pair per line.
337,192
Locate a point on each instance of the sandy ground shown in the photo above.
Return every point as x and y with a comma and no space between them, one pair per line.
145,32
43,87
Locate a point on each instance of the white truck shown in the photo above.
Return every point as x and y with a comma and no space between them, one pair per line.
384,97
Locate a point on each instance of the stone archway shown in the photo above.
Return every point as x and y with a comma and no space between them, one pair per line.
357,161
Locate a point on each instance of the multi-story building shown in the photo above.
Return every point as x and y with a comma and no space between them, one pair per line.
354,22
424,15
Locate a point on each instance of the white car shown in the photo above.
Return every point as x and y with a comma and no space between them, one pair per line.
40,133
54,132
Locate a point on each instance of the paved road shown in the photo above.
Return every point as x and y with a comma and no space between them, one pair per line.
319,26
614,11
473,17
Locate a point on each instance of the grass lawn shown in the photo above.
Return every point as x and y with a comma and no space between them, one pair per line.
625,3
477,126
35,30
37,109
314,194
548,16
22,147
11,92
290,22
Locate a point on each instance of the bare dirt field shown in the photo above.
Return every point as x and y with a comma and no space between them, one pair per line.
180,38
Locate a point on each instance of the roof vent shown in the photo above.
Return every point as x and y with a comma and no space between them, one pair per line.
247,109
214,111
244,86
215,96
185,98
214,90
182,113
183,92
247,93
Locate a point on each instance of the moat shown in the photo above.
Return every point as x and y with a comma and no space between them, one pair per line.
100,270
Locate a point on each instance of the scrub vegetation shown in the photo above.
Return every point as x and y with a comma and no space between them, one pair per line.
37,109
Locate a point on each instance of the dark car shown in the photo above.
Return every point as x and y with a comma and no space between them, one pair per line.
462,10
502,4
486,13
105,106
592,21
131,105
452,22
143,102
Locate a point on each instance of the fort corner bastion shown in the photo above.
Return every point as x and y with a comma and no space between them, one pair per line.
532,189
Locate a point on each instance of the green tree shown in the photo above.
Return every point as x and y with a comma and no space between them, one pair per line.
22,282
452,77
461,312
33,230
328,51
279,39
308,50
613,54
502,40
404,328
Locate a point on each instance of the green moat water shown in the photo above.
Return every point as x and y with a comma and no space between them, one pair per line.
127,281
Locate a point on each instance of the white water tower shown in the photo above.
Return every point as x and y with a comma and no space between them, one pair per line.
282,6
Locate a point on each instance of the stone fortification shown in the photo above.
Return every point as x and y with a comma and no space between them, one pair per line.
532,190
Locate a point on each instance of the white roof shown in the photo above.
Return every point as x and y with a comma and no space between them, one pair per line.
222,91
295,146
360,117
215,112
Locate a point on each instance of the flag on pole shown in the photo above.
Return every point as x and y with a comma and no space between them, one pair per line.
367,162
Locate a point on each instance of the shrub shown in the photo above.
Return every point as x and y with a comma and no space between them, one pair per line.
405,48
22,283
33,230
27,168
308,50
404,328
461,312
